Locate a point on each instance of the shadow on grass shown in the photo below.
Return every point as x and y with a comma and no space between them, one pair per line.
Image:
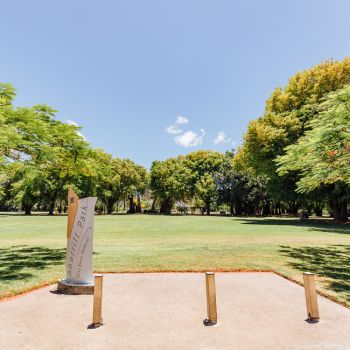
321,225
17,261
331,262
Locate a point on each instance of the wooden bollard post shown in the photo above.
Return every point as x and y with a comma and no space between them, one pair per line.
97,309
211,299
311,296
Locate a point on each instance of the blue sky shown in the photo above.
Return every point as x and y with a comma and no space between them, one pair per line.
153,79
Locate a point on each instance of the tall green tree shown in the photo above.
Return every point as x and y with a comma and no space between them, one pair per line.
201,167
286,118
8,134
241,189
50,150
118,179
28,186
168,182
322,155
206,191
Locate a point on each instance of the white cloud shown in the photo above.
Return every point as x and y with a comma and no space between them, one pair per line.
173,129
71,122
181,120
185,138
221,139
81,135
190,138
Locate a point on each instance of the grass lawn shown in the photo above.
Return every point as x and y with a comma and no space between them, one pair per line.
32,249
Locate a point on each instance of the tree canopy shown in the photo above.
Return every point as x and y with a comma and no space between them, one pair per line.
289,116
41,156
294,157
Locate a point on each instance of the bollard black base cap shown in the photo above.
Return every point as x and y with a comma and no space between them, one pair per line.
94,325
312,320
208,322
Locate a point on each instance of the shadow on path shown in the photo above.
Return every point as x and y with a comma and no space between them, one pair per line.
331,262
17,261
321,225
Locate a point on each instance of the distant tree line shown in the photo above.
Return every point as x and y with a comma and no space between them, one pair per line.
207,179
295,157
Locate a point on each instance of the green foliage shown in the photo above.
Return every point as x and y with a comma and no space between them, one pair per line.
206,190
169,182
41,156
28,186
289,115
288,112
117,178
200,163
7,131
185,177
322,155
244,192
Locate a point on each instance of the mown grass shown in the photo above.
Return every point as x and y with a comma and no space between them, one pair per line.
32,249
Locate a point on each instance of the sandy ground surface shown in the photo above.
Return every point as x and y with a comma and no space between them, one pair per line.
165,311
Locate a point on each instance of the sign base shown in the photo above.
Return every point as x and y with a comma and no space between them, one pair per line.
66,287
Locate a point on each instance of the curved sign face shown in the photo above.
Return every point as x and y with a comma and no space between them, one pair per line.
79,239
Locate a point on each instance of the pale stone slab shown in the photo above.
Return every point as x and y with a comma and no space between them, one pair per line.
165,311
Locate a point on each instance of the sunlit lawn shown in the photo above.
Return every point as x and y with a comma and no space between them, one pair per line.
32,249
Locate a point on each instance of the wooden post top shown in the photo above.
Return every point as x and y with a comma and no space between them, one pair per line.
72,210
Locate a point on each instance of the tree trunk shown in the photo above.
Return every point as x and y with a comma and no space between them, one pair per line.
318,208
339,210
249,209
153,208
293,208
132,208
208,207
279,209
138,207
165,207
266,210
231,209
109,206
52,206
53,202
238,208
27,209
318,211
